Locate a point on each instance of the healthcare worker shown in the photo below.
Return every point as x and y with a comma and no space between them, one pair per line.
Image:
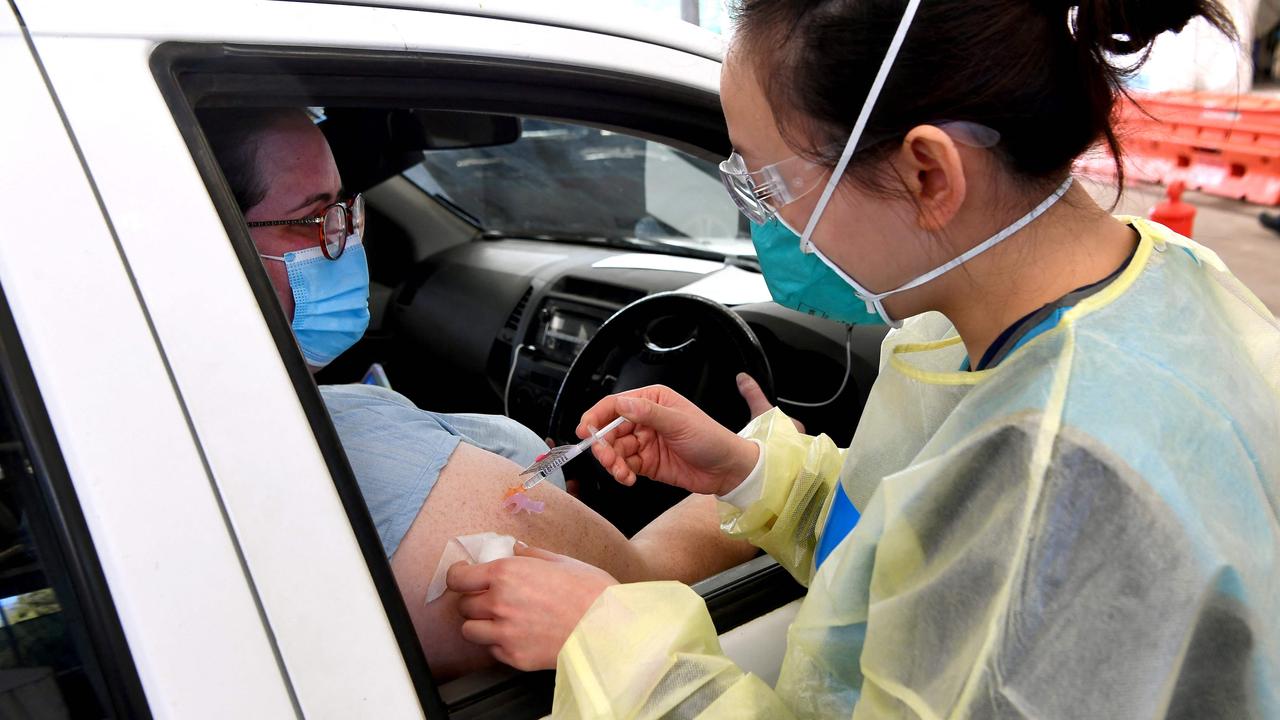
1062,497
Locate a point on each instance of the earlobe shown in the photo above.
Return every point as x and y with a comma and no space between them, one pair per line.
937,176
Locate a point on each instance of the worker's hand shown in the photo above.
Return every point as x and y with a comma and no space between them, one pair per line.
670,440
757,403
524,608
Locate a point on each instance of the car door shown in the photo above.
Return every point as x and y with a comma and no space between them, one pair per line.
131,530
332,643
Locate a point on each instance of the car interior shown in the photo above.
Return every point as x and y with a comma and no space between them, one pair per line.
537,238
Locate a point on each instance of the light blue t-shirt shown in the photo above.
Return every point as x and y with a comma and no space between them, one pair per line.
397,450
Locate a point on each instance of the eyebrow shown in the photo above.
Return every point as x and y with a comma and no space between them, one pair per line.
327,197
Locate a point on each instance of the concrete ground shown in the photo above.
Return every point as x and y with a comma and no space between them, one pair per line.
1229,227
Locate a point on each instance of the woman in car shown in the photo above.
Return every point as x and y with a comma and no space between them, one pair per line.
1062,499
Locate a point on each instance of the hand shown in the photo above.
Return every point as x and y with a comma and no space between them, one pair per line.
757,403
524,608
670,440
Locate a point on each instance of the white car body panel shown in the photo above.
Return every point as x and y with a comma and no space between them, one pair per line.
590,15
301,551
181,594
324,25
759,646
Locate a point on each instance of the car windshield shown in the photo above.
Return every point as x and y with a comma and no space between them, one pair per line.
565,181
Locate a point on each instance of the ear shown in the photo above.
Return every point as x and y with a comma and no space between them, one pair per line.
930,164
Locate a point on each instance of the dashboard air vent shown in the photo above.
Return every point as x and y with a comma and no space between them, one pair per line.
513,321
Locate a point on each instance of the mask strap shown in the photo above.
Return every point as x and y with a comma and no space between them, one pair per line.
980,248
351,244
863,117
873,300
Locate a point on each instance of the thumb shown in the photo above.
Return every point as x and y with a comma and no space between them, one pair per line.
750,390
646,412
523,550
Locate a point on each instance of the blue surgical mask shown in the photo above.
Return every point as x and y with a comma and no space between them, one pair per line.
330,300
802,281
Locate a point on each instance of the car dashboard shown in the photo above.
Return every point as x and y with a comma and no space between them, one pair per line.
494,325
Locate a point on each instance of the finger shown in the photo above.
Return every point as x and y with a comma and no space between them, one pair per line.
623,473
478,606
614,464
519,662
634,464
623,430
599,415
626,446
643,411
587,428
620,468
799,425
750,390
606,411
536,552
481,632
466,578
604,454
501,655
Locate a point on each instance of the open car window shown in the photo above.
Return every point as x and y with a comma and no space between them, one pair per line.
590,188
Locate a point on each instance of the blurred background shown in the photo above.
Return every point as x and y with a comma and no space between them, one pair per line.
1216,131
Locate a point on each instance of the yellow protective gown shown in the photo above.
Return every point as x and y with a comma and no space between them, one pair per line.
1088,530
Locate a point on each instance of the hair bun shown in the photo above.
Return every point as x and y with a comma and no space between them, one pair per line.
1124,27
1157,16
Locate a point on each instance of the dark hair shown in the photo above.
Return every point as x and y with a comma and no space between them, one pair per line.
233,135
1041,72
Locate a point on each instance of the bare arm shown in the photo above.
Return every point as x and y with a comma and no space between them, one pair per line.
467,499
685,544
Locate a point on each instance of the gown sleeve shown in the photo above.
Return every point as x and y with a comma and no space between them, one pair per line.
649,650
799,478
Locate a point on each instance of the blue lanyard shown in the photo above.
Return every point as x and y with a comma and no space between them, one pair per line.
840,522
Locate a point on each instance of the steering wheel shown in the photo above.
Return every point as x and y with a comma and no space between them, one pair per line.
691,344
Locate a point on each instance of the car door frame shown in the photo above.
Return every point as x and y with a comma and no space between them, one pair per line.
738,597
162,141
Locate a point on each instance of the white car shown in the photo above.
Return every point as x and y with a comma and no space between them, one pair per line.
180,533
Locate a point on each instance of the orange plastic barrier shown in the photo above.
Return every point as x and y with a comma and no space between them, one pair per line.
1193,106
1221,145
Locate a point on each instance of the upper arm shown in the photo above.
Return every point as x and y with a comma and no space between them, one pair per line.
467,499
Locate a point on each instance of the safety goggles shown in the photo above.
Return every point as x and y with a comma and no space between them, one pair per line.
760,194
335,225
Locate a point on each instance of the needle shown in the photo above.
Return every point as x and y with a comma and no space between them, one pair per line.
558,456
